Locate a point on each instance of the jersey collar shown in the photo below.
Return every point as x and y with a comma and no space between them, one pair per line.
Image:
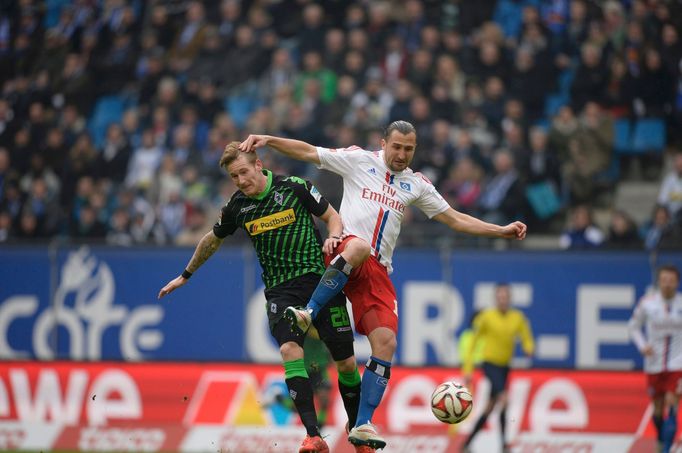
268,186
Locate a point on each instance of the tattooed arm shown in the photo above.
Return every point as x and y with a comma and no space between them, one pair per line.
206,247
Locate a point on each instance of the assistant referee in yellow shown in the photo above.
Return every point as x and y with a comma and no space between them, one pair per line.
499,328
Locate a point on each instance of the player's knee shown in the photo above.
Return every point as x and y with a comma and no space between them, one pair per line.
291,351
384,344
358,251
346,365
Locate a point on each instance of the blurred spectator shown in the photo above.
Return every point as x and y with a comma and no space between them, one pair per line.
312,32
115,153
210,57
410,25
195,228
528,83
620,89
590,152
623,232
653,88
119,230
374,99
87,226
81,161
591,78
462,187
581,233
436,162
502,198
542,163
656,228
144,163
670,194
494,102
312,68
395,60
189,38
420,71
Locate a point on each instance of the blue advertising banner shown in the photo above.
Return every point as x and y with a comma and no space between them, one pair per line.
92,303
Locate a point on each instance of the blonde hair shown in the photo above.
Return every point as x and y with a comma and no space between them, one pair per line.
232,153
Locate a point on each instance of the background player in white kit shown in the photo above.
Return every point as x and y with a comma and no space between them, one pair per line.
377,188
660,313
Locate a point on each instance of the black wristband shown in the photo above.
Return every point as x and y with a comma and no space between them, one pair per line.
186,274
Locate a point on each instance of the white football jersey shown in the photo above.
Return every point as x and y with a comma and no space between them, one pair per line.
662,322
375,198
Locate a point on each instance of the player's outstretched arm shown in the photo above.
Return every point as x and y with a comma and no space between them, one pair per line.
296,149
206,247
465,223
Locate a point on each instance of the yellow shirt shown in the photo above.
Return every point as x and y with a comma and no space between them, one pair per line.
499,332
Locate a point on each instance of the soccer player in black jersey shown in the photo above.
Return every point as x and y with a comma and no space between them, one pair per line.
276,212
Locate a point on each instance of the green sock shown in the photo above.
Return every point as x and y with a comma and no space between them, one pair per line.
349,388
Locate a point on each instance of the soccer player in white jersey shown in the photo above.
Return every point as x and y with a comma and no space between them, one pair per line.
377,188
660,313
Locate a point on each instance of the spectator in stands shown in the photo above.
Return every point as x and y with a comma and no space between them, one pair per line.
623,232
653,88
590,152
189,39
528,83
495,100
87,227
144,163
502,198
119,229
590,79
620,89
657,228
312,68
115,154
582,233
463,185
670,194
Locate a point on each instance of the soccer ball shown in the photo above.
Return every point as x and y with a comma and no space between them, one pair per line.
451,402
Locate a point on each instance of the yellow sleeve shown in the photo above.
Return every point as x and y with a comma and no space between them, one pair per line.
527,343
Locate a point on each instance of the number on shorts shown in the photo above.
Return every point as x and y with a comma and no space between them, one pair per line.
339,317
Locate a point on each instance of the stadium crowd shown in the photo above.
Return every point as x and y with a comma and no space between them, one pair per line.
114,113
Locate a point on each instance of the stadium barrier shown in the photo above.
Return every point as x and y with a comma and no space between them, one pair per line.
100,304
193,407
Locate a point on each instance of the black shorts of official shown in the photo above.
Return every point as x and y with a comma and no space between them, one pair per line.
497,376
332,322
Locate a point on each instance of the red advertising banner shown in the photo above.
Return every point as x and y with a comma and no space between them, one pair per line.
194,407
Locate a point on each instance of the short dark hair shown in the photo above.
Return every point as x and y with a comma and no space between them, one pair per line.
232,153
404,127
668,268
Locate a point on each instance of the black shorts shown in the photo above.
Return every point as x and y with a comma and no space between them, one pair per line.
332,322
497,376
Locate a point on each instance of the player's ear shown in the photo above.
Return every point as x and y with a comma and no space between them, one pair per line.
258,164
383,144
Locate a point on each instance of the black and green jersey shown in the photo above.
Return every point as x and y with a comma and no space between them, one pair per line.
280,225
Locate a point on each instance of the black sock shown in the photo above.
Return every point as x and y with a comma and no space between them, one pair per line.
503,425
658,424
480,423
302,394
351,401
